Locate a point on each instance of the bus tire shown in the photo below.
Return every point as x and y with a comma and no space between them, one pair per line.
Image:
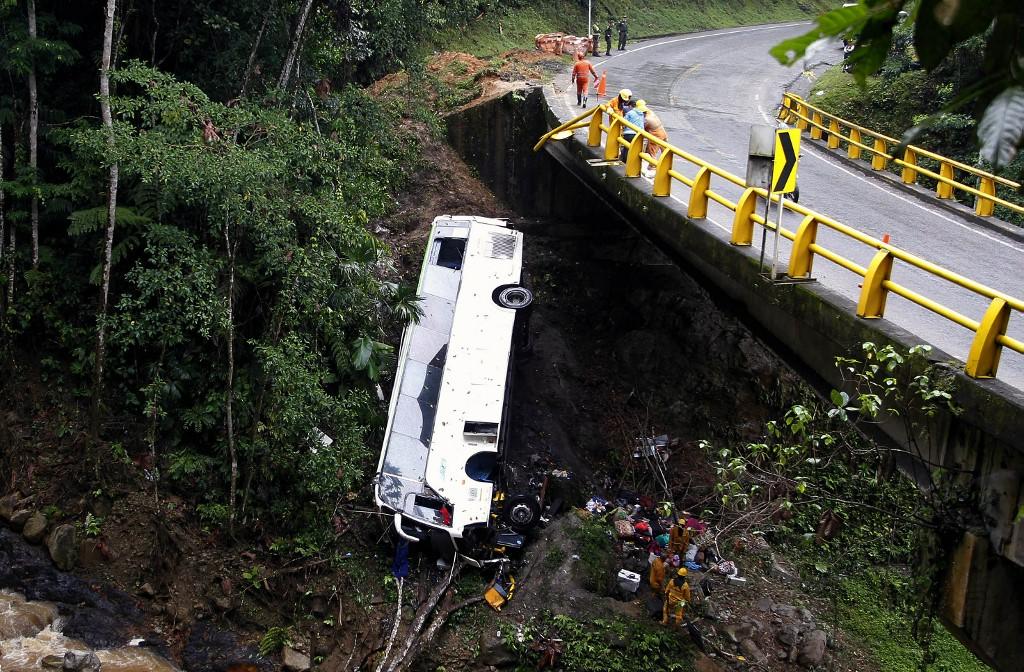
522,512
514,297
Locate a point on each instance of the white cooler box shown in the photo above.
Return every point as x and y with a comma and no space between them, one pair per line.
628,581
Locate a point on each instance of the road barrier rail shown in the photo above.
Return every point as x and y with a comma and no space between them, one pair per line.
989,331
859,140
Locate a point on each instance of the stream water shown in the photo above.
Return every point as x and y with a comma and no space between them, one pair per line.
31,639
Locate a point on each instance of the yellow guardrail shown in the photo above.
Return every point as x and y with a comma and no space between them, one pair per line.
952,175
990,331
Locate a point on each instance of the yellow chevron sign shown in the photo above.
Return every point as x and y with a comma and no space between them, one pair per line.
787,156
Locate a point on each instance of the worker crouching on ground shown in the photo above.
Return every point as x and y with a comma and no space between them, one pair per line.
657,575
581,72
676,598
652,124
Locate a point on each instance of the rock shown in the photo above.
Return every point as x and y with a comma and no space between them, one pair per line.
294,661
223,603
737,632
35,528
806,616
705,664
750,651
63,547
494,652
19,518
784,610
7,504
80,662
789,634
765,604
780,571
813,650
711,611
52,662
147,590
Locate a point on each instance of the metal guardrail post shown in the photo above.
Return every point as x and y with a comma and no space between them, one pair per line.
801,122
833,135
983,207
594,131
873,292
698,206
662,179
878,160
983,360
816,126
909,175
944,189
852,149
633,162
743,222
611,145
801,258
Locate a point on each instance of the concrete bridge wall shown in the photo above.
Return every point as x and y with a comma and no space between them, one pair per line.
807,323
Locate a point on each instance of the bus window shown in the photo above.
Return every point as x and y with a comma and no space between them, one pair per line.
483,467
449,252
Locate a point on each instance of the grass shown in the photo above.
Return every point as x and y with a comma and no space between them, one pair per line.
886,632
497,32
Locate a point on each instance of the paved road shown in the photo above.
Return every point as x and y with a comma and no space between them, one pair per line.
709,88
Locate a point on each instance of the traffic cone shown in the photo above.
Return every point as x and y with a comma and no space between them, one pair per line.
602,85
885,238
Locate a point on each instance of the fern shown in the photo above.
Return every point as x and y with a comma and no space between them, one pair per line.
276,639
95,219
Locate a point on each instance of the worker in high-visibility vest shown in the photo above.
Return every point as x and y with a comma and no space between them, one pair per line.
657,576
581,72
622,102
653,125
677,596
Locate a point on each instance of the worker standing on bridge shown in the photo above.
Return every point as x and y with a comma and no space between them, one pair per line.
622,102
608,38
623,33
581,75
677,596
636,118
653,125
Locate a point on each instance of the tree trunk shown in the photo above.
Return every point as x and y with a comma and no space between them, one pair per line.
230,249
255,47
33,134
289,62
108,123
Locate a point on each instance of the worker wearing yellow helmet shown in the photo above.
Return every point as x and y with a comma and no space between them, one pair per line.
622,102
677,596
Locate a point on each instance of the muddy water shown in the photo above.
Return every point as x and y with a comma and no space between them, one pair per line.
31,639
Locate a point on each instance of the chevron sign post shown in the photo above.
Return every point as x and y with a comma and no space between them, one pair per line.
784,165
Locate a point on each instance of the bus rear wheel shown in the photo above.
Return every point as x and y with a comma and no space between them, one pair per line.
522,512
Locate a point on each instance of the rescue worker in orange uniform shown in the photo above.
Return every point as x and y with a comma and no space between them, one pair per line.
676,598
678,539
581,75
653,125
657,575
622,102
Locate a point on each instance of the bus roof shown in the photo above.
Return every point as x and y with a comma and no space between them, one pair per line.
452,370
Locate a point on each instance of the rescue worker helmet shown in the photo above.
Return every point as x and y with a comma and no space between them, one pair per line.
625,94
641,106
681,572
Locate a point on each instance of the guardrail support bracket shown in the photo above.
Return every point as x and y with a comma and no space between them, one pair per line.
873,292
633,162
594,131
743,222
662,179
801,258
983,360
983,207
698,206
611,143
909,174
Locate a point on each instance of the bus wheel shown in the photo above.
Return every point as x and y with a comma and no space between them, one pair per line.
515,297
522,512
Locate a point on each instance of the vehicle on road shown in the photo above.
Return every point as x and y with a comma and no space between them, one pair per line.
442,472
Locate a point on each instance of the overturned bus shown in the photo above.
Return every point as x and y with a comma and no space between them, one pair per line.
442,472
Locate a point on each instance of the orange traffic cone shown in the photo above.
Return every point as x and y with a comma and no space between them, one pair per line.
602,85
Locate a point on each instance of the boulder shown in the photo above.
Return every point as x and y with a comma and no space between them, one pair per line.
813,650
19,518
80,662
493,651
806,616
147,590
785,610
63,547
751,652
90,554
35,528
737,632
7,505
294,661
765,604
781,571
705,664
789,634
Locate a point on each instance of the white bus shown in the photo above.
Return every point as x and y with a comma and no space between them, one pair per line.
441,470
